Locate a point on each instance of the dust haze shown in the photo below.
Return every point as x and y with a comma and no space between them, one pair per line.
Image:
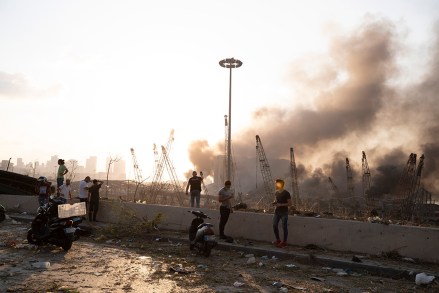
350,100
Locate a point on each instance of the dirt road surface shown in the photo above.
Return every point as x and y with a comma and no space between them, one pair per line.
149,263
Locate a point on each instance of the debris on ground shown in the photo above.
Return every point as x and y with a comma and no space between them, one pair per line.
423,279
317,279
356,259
238,284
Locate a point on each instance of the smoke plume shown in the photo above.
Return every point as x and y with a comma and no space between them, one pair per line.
351,103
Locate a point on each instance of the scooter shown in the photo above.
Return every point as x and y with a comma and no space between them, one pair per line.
47,228
201,235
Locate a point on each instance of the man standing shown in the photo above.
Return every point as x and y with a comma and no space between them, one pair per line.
195,184
62,170
43,190
83,191
94,200
65,191
224,196
282,202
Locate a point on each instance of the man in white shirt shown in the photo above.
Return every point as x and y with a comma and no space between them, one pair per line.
83,190
64,191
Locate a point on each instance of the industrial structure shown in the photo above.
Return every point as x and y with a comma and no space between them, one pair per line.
267,198
294,182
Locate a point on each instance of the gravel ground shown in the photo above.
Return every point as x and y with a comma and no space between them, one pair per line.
148,263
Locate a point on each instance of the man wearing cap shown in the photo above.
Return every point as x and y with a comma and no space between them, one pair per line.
195,184
62,170
224,197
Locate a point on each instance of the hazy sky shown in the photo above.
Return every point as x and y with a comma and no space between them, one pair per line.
81,78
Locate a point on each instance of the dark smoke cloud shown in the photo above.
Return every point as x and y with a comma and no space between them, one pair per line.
202,157
349,101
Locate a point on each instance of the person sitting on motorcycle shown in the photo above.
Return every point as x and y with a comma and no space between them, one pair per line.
43,190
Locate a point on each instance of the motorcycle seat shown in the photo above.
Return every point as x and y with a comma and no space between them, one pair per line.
204,225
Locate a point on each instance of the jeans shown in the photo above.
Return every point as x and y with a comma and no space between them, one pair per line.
94,206
42,200
276,219
195,194
59,181
224,213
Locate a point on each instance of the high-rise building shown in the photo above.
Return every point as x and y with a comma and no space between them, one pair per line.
119,170
91,165
20,163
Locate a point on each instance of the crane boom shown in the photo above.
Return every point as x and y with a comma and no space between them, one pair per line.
294,182
156,184
366,177
350,180
266,173
137,173
171,170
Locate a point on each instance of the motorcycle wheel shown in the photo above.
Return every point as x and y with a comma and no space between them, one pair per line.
67,244
207,250
31,239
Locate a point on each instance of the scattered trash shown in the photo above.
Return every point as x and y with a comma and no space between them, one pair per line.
291,266
423,279
283,289
356,259
2,244
251,260
297,287
409,259
144,257
317,279
342,274
260,264
15,222
179,270
24,213
98,274
238,284
274,258
41,264
109,241
264,257
158,239
249,255
277,284
204,267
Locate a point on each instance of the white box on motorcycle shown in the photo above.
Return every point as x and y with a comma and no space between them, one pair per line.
71,210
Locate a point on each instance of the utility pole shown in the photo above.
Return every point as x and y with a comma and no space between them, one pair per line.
9,162
230,63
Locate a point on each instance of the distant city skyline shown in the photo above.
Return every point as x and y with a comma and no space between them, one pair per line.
77,170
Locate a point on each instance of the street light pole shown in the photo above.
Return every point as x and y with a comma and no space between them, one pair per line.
230,63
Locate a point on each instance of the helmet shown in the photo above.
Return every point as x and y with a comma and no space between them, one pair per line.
42,179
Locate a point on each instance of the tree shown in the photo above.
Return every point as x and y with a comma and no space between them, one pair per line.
110,162
73,165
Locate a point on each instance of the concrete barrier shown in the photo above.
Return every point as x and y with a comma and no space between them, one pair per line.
341,235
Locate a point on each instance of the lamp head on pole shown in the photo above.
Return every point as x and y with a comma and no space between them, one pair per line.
230,63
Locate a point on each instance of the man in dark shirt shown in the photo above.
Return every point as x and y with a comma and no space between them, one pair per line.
195,184
43,190
282,202
94,199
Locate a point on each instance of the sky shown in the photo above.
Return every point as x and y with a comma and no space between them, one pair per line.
83,78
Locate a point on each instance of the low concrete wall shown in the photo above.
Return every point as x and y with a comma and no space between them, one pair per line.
358,237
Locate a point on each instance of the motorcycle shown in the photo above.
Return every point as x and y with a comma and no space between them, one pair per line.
201,235
47,228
